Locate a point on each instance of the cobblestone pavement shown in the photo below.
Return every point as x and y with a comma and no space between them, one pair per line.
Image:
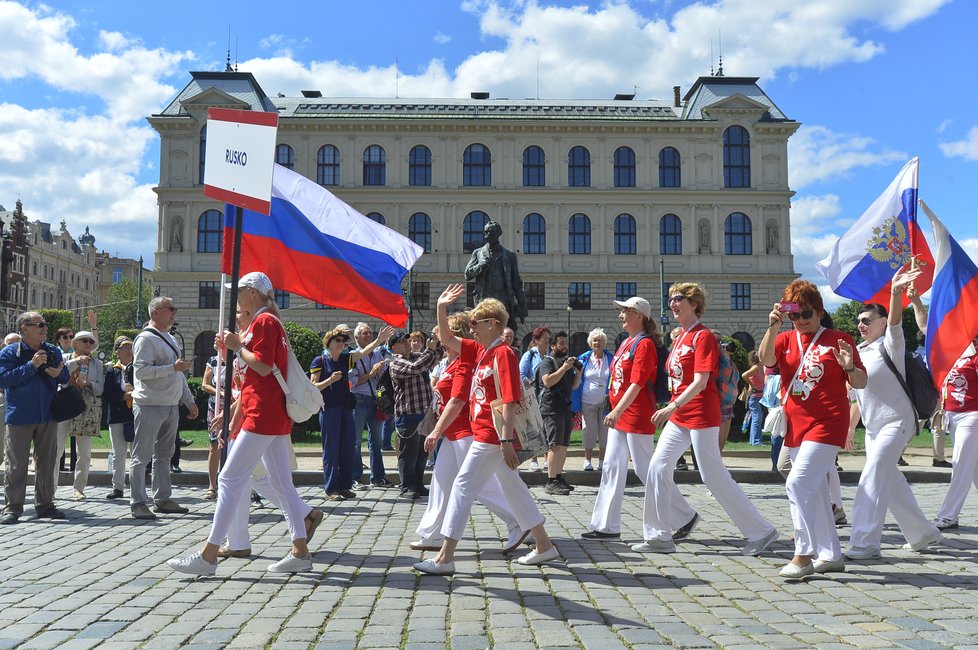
99,579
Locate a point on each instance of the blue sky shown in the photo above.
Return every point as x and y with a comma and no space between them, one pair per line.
873,83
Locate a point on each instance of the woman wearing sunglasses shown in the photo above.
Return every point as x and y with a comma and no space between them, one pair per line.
693,416
816,363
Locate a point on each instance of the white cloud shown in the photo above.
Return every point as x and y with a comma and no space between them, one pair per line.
966,148
817,154
943,125
970,246
810,214
441,38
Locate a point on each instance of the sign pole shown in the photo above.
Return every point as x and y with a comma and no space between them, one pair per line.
231,327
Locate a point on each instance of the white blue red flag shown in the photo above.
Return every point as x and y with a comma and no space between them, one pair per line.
883,239
316,246
951,323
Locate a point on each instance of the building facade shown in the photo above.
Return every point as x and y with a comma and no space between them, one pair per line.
62,272
111,270
14,259
595,196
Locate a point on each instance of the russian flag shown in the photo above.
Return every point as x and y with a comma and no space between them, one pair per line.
315,245
883,239
951,322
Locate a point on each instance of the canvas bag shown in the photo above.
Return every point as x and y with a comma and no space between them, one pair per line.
302,399
528,422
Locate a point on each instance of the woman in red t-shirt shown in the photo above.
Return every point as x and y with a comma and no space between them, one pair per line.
693,416
490,454
815,365
452,407
265,429
960,395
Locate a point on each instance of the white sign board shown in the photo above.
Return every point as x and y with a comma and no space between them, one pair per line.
239,157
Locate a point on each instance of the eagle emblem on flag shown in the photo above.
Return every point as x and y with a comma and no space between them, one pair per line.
890,243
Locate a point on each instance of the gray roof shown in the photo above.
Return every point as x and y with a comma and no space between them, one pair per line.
710,90
240,85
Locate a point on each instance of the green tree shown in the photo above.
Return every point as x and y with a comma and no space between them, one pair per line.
846,317
305,342
56,319
120,312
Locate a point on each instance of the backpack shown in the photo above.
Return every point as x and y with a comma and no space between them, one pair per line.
728,377
918,385
385,393
659,390
302,399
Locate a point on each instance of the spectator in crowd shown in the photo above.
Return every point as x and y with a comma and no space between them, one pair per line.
10,339
728,394
418,340
890,421
754,376
509,336
558,378
118,398
530,361
693,416
412,399
591,397
160,388
209,386
772,400
816,363
363,379
88,374
492,453
63,338
30,372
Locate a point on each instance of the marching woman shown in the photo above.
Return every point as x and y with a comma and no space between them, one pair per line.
630,428
890,421
960,403
455,431
491,454
815,364
693,416
264,435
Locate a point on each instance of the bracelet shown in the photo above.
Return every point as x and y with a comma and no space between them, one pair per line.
509,440
849,370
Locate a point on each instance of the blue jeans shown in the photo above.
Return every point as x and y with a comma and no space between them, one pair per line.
340,460
388,433
365,415
756,418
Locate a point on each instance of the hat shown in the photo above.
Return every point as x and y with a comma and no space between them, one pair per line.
396,338
122,340
83,334
255,280
641,305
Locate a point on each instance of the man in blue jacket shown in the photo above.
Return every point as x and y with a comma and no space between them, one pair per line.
30,372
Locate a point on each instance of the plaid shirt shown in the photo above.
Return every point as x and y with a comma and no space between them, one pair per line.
412,386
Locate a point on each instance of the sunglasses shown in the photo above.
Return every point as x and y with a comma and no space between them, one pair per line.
676,299
66,336
474,323
86,341
40,326
804,314
171,308
865,320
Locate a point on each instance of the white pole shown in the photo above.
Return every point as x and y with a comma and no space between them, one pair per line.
218,375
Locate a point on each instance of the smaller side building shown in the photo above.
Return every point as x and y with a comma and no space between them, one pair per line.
14,261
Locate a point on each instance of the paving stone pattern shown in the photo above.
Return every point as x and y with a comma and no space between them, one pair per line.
99,580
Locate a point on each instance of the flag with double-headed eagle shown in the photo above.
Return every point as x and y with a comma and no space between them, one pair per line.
885,238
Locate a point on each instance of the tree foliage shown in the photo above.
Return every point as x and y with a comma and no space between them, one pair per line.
56,319
120,312
305,342
845,319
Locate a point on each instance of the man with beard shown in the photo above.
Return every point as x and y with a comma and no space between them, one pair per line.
558,377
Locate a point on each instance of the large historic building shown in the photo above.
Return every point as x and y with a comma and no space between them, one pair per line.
14,253
62,271
592,194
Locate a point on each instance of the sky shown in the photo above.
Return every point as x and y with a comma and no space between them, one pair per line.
872,83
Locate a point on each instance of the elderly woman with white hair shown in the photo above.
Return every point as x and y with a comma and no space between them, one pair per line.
591,397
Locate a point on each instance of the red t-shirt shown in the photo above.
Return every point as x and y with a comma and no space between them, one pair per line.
638,369
455,381
262,399
817,407
696,350
961,387
484,385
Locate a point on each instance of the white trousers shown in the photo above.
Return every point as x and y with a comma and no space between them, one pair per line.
451,455
882,486
964,429
595,431
118,464
835,484
483,462
83,459
664,503
235,479
811,512
606,516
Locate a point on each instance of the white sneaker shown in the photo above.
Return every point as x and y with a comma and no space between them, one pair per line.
534,466
533,557
546,466
192,564
929,540
515,538
755,547
829,566
655,546
588,467
433,568
427,544
861,553
292,564
792,571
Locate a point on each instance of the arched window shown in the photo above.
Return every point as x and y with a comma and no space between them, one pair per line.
472,230
670,235
203,151
328,165
477,166
737,234
625,234
534,167
736,157
378,217
203,351
285,156
579,167
419,166
669,163
534,234
579,234
210,232
419,230
624,167
374,165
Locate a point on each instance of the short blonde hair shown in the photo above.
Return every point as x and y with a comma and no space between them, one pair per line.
598,334
459,324
692,292
490,308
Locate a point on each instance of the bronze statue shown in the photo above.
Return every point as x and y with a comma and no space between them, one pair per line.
496,274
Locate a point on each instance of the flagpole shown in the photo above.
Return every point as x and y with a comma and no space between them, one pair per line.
231,325
218,377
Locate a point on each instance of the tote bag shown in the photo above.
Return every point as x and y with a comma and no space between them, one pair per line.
528,422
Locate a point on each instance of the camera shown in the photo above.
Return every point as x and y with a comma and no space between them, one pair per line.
577,363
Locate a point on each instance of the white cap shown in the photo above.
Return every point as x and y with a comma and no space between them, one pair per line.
641,305
255,280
